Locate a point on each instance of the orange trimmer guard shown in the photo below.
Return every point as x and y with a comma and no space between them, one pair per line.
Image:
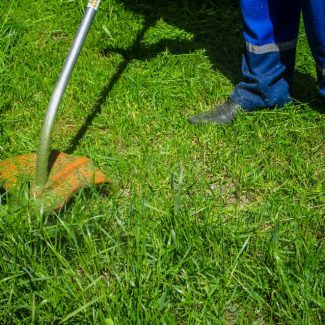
67,175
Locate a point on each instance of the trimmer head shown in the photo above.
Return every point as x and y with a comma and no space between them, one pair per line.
67,175
57,175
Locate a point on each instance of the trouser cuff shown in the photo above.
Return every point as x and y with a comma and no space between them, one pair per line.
267,74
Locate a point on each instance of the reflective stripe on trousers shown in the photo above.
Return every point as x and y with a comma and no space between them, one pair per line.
270,31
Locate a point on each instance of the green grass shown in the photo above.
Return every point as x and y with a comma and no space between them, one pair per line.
221,225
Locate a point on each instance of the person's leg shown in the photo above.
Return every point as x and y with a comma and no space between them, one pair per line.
270,31
314,18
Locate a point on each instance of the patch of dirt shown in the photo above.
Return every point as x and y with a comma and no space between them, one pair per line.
230,195
58,35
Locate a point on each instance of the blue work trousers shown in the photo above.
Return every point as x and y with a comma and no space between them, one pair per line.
270,32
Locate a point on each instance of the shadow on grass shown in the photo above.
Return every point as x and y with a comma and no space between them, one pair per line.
216,26
3,196
305,91
128,56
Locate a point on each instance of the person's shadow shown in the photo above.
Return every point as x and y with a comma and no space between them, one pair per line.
217,28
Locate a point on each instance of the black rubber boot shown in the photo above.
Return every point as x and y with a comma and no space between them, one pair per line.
221,114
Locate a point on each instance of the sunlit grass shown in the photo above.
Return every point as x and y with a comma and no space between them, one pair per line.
202,224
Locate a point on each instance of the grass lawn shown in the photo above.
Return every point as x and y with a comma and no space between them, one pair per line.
208,224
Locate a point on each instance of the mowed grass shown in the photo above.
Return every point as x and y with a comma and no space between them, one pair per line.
209,224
